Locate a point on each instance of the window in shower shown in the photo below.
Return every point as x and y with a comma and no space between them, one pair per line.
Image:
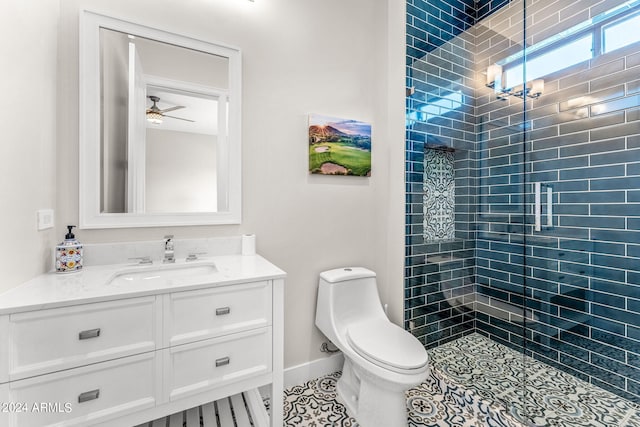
584,41
556,59
621,33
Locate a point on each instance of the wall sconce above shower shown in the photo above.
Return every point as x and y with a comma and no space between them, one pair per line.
495,78
532,89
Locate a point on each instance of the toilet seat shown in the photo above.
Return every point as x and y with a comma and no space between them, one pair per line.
386,344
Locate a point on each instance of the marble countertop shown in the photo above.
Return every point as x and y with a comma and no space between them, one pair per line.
96,284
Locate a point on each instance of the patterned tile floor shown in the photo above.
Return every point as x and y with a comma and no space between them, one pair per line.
471,379
314,404
495,373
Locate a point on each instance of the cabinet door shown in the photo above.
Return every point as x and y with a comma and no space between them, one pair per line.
203,365
5,344
82,396
50,340
196,315
5,401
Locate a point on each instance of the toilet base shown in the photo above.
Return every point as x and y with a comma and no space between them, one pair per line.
372,403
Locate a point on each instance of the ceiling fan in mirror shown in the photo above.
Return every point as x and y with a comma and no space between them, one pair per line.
155,115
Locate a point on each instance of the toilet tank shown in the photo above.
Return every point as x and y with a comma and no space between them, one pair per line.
346,295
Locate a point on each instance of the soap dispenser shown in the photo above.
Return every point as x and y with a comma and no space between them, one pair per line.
69,253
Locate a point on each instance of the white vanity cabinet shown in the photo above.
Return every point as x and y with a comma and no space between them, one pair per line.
46,341
207,313
87,394
125,358
205,365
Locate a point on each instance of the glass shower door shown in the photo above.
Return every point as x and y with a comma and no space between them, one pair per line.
523,205
502,216
581,84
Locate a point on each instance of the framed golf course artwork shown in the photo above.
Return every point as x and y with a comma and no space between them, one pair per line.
339,146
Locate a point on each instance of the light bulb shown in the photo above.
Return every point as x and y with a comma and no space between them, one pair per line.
153,117
493,72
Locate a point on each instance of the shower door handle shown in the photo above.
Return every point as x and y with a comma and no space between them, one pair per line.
537,207
549,206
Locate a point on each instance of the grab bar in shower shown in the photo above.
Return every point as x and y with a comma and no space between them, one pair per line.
537,209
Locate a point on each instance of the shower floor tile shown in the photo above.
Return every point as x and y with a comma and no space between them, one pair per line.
495,373
315,404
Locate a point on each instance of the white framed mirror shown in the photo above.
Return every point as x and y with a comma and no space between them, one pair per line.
160,121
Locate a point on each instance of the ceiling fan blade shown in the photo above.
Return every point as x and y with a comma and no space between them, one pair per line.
179,118
172,108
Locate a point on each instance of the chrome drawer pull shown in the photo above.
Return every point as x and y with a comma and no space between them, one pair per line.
88,395
90,333
223,311
221,362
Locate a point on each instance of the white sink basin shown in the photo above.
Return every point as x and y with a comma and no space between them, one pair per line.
165,272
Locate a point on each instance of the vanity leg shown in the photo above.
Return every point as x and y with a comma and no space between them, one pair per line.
277,387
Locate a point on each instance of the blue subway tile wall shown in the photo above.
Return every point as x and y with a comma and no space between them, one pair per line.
575,284
440,266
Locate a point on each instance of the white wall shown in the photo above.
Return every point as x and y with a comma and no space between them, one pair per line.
28,125
391,201
299,56
115,100
180,171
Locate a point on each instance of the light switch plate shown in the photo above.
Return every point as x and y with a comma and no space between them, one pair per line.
45,219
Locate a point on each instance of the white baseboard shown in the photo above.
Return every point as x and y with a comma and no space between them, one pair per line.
300,374
304,372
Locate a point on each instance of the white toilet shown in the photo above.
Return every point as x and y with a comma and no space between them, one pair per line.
381,360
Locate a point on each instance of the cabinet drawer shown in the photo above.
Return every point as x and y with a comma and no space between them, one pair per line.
50,340
82,396
197,367
196,315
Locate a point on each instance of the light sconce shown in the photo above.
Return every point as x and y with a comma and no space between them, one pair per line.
494,75
532,89
153,117
536,89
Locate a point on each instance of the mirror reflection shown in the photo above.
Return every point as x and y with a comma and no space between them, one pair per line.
164,111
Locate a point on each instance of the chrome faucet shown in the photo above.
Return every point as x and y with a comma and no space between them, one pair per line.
168,249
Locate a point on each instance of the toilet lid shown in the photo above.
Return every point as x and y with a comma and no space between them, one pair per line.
382,342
